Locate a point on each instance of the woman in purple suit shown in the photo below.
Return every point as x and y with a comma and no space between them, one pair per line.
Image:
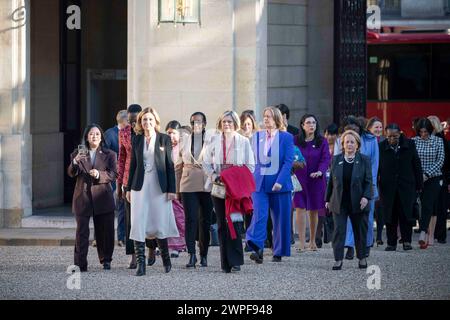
314,148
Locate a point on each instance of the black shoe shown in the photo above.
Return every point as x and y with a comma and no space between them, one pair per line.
379,243
362,264
257,256
337,265
236,268
192,261
83,269
139,249
163,246
350,253
407,246
367,252
151,257
416,230
203,261
247,248
132,266
400,240
390,248
276,259
106,265
319,243
226,270
442,241
267,244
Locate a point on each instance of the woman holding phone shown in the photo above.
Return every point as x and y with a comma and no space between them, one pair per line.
94,168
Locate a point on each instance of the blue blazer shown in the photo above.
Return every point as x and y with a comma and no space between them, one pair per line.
277,165
112,139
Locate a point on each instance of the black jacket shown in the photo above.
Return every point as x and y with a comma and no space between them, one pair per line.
361,185
400,173
163,162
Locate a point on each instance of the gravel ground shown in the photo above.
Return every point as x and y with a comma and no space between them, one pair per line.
40,273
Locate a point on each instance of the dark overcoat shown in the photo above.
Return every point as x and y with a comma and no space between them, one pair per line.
93,196
399,173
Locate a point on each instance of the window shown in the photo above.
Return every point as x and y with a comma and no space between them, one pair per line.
179,11
409,72
399,72
441,72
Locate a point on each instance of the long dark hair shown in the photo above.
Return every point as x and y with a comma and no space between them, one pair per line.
84,139
318,138
174,124
352,120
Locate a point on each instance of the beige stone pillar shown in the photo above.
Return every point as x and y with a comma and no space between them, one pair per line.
15,138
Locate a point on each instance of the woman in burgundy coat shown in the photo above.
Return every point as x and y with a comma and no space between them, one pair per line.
95,169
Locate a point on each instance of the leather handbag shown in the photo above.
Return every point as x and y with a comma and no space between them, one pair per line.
297,187
218,190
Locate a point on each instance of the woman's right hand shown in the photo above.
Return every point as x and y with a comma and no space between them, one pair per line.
79,157
128,195
327,205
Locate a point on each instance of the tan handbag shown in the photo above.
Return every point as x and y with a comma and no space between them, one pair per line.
218,190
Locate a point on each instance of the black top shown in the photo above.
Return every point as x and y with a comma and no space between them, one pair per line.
293,130
346,192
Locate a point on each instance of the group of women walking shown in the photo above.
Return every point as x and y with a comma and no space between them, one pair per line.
177,182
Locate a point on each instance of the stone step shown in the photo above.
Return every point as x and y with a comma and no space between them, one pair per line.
54,222
39,237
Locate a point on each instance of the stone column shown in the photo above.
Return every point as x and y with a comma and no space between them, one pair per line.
15,138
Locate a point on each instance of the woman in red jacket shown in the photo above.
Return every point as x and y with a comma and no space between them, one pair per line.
229,158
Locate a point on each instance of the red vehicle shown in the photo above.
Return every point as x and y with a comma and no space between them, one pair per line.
408,77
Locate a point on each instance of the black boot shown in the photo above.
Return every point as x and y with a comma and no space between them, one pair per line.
203,261
192,260
165,256
139,248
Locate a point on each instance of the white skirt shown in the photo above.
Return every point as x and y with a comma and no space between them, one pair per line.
151,213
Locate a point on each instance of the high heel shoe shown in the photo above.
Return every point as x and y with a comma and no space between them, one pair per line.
380,243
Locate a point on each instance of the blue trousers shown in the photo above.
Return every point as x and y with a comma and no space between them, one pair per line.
350,239
280,211
120,208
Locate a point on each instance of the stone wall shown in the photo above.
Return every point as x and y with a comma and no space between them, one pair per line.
217,66
48,142
287,56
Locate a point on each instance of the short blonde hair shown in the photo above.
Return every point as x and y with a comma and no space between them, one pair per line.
352,133
138,127
277,117
437,126
234,116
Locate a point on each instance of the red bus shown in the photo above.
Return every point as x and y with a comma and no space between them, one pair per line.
408,77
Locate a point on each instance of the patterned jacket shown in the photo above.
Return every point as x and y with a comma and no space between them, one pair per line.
123,163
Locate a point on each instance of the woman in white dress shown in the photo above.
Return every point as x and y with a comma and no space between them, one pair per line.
151,188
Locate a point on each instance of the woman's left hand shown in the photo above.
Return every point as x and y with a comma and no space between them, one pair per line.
171,196
363,203
316,174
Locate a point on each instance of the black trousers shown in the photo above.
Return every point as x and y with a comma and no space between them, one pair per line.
440,232
398,218
104,231
198,209
231,252
269,231
360,222
129,244
429,198
379,219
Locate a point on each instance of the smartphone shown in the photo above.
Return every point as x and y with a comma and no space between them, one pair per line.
82,150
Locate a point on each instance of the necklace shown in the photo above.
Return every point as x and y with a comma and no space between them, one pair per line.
349,160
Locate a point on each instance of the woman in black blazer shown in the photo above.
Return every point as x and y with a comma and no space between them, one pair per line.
348,193
151,188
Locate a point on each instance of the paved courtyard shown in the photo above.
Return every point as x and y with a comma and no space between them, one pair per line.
40,273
